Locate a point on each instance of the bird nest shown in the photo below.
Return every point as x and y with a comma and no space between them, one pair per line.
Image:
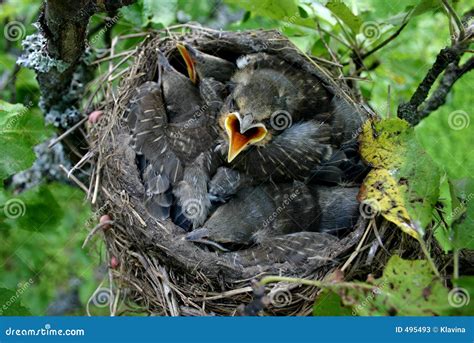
151,264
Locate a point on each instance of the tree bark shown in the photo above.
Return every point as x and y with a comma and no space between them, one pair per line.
64,25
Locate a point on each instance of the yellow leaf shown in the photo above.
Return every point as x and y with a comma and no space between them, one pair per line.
380,143
381,190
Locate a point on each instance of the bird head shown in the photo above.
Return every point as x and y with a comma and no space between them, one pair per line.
250,111
201,65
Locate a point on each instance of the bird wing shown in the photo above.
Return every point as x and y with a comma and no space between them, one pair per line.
167,147
160,166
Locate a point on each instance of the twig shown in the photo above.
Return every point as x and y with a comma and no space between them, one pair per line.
447,60
340,40
67,132
73,178
409,111
82,161
455,17
325,61
451,75
97,180
358,248
455,264
109,57
385,42
95,230
328,48
226,294
321,284
428,257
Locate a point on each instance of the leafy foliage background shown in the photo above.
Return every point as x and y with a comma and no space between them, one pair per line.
44,245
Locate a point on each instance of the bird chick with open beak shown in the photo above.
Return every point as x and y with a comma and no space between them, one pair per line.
210,73
201,66
177,87
280,123
278,120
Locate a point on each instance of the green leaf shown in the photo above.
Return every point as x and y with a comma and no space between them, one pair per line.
302,12
284,10
60,257
197,10
329,303
463,215
20,131
443,234
343,12
425,6
145,12
457,199
246,16
460,297
133,13
406,288
159,12
448,133
10,303
33,210
421,177
304,43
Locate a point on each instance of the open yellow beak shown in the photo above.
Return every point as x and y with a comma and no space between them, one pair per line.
238,141
189,62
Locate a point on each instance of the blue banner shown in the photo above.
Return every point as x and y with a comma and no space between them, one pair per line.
238,329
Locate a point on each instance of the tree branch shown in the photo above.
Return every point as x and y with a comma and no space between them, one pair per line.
451,75
385,42
447,61
64,24
409,111
56,53
455,17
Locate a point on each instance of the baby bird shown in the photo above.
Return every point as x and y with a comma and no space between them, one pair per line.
278,120
201,66
258,214
170,135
